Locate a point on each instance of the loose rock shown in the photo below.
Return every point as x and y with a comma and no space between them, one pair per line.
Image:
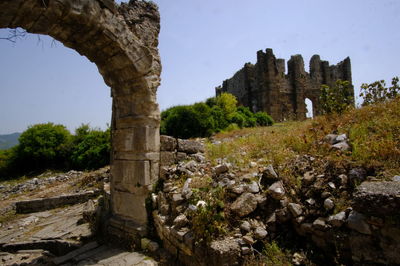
260,233
295,209
329,204
338,219
276,190
245,226
180,221
245,204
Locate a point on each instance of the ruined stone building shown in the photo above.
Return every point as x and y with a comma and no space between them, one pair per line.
265,86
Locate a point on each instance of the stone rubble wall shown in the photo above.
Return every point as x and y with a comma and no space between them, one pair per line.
266,86
180,242
173,150
349,223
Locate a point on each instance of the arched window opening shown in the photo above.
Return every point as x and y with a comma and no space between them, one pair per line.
309,108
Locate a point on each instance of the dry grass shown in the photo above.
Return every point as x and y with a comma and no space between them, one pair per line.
374,133
274,144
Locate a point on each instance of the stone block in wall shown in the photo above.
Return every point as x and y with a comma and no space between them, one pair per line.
181,156
390,244
190,146
154,173
377,198
137,139
364,249
224,252
130,206
135,173
167,158
168,143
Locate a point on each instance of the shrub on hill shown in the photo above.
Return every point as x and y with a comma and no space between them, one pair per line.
50,146
42,146
378,92
337,98
90,148
187,121
215,115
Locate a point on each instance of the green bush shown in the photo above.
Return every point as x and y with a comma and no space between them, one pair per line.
5,162
215,115
219,117
187,121
378,92
91,148
49,146
250,120
239,119
263,119
40,147
337,98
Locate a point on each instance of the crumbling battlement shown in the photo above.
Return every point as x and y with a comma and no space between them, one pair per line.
267,87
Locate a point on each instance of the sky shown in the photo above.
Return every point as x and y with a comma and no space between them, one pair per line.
201,43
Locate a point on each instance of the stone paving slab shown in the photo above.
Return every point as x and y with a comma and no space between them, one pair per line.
106,256
56,224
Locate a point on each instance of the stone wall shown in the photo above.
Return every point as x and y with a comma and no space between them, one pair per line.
266,86
184,156
332,215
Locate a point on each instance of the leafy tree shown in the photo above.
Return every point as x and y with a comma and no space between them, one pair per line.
91,148
42,146
219,116
336,99
215,115
5,160
188,121
211,101
227,102
378,92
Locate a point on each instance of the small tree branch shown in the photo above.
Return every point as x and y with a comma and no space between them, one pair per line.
14,35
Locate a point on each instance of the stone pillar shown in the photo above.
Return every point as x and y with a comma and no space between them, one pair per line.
135,162
298,79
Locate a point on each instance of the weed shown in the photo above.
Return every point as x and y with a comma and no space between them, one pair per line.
274,255
209,220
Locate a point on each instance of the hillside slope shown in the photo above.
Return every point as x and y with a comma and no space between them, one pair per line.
321,191
9,140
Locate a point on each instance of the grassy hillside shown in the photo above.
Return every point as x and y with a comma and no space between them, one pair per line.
373,132
9,140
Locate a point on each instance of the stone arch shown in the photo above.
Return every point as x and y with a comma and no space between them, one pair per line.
122,41
309,107
313,96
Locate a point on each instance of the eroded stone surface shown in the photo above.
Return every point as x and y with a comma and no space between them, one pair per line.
55,224
378,198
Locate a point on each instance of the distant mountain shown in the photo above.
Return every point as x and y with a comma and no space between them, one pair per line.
9,140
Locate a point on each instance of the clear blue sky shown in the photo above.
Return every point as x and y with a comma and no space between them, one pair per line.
202,42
